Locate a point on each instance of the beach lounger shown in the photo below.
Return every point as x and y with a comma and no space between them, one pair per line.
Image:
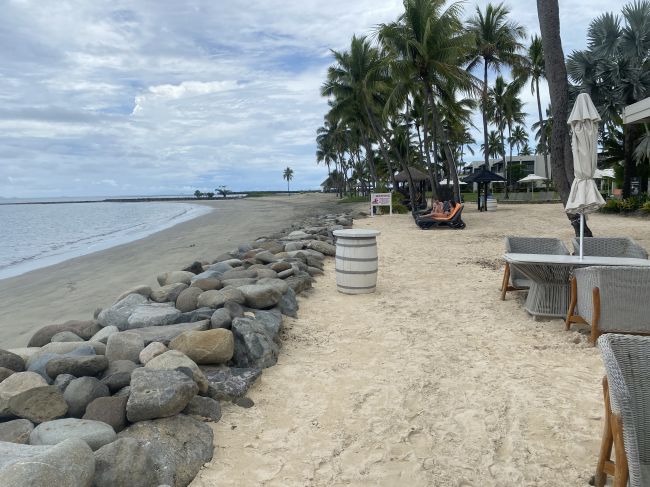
610,247
452,221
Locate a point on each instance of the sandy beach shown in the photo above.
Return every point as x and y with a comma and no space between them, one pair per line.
75,288
432,380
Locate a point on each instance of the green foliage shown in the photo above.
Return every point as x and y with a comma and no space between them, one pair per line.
198,194
611,206
628,205
645,207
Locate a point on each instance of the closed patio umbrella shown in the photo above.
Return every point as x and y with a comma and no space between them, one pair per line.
531,178
584,196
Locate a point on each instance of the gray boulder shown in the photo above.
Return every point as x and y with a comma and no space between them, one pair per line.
206,283
4,373
125,463
239,274
142,289
228,383
102,335
63,381
221,318
198,314
278,284
205,347
95,433
174,277
173,360
11,361
152,314
236,283
152,350
208,275
216,299
110,410
124,346
299,282
187,299
261,296
271,320
158,394
289,304
293,246
254,347
81,392
170,292
85,329
89,365
68,464
266,257
39,404
180,445
280,266
16,431
72,349
323,247
118,374
118,314
164,334
15,384
236,310
66,336
204,407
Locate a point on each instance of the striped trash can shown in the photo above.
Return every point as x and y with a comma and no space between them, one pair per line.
356,261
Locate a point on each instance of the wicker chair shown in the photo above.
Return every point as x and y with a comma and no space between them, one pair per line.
610,247
627,411
514,280
611,300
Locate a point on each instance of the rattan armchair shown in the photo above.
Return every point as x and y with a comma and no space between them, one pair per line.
610,247
611,300
627,411
514,280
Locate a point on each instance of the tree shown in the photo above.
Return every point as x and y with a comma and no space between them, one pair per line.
495,145
288,175
198,194
525,150
518,138
223,191
209,195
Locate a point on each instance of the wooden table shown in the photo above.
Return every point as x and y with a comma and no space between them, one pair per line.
549,290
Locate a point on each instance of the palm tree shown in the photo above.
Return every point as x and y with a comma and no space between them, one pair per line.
518,138
525,150
496,44
288,175
198,194
223,191
494,147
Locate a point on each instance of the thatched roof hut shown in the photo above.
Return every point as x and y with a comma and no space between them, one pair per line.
416,175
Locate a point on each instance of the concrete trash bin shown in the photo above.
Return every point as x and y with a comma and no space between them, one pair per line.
356,261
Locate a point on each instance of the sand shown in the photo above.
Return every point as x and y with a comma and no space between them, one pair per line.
432,380
75,288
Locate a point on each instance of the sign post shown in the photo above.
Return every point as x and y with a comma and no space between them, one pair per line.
380,199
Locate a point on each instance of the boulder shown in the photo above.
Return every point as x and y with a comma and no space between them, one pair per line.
123,392
172,360
195,268
216,299
285,274
207,283
254,347
298,235
228,383
199,314
278,284
208,274
323,247
118,374
188,298
76,349
158,394
16,431
266,274
102,335
280,266
66,336
289,304
236,310
261,296
235,283
152,314
152,350
170,292
180,445
118,314
204,408
85,329
313,271
68,464
81,392
271,320
266,257
4,373
164,334
142,289
124,346
110,410
39,404
95,433
221,318
299,282
293,246
239,274
125,463
205,347
272,246
11,361
174,277
89,365
15,384
63,381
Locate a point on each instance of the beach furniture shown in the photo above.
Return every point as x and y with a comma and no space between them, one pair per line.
454,220
626,390
610,247
513,279
356,261
548,294
611,300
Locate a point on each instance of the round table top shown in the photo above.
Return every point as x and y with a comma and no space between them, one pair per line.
357,233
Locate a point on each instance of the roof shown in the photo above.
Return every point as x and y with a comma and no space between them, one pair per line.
483,176
416,175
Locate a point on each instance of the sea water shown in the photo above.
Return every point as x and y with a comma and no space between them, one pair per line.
38,235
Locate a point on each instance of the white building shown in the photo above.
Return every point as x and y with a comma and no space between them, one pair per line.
529,165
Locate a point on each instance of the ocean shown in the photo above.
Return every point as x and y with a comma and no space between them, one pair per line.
38,235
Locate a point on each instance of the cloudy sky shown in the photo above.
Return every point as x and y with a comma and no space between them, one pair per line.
163,97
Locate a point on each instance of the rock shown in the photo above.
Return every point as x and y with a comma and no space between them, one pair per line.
109,410
208,274
118,314
66,336
244,402
235,283
90,365
236,310
225,262
239,274
124,346
298,235
280,266
95,433
278,284
124,463
39,404
74,348
102,335
261,296
174,277
188,298
152,350
253,345
16,431
195,268
158,394
207,283
4,373
216,299
118,374
293,246
165,334
204,407
15,384
68,464
266,274
323,247
180,446
11,361
313,271
85,329
205,347
199,314
243,248
285,274
271,320
299,282
124,392
289,304
25,353
221,318
271,245
227,383
266,257
143,290
152,314
81,392
170,292
174,359
63,381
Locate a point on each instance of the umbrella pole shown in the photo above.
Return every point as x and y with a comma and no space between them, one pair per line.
582,234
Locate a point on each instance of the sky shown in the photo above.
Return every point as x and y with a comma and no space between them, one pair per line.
161,97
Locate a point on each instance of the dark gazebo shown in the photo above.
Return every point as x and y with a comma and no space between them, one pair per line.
416,175
483,176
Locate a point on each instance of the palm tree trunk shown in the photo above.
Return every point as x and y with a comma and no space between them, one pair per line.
505,163
542,137
629,164
484,110
451,162
384,152
369,159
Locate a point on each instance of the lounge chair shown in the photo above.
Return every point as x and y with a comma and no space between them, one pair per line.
452,221
626,391
611,300
514,280
610,247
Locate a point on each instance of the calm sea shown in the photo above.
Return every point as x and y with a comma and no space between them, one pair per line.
33,236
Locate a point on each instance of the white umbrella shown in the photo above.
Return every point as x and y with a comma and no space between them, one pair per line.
444,182
531,178
584,197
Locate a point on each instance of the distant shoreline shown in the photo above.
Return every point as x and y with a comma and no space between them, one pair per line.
125,200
